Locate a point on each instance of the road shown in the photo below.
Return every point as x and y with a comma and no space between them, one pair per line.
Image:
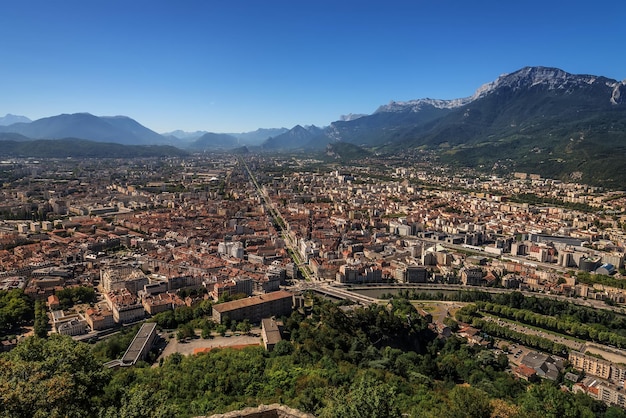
558,338
292,246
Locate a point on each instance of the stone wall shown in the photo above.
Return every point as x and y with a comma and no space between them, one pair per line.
264,411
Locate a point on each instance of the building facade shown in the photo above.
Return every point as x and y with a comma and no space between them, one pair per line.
256,308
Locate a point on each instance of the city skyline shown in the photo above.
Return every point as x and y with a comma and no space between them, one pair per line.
241,66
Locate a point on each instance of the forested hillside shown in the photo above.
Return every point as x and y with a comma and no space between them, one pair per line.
379,361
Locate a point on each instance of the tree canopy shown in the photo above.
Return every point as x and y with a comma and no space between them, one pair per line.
334,361
54,377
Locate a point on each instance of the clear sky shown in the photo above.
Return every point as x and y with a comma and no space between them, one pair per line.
235,66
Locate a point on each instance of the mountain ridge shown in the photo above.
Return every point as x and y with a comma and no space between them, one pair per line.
537,119
118,129
10,119
80,148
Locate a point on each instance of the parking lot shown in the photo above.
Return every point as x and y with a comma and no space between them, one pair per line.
188,347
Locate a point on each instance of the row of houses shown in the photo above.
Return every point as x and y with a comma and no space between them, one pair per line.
605,381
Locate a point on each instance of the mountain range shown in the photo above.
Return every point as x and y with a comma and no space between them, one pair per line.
537,119
123,130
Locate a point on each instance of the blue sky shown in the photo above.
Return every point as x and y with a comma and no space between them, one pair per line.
235,66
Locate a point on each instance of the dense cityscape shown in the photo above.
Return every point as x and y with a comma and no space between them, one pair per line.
312,210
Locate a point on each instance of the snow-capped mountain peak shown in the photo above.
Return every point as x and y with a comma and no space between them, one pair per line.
419,104
619,93
527,77
351,116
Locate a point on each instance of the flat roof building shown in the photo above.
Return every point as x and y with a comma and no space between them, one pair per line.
141,344
270,332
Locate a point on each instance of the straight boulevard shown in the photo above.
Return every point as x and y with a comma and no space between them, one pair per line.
280,222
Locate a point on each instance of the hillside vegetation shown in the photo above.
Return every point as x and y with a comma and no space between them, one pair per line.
379,361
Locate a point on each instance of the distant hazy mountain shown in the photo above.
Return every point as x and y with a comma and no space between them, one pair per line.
185,136
297,137
10,119
257,137
213,141
186,139
117,129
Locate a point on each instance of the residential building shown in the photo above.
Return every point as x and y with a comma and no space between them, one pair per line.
411,274
270,332
241,285
99,319
53,302
255,308
612,394
472,276
74,326
125,306
118,277
547,367
590,365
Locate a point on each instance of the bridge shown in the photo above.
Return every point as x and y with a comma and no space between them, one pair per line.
344,294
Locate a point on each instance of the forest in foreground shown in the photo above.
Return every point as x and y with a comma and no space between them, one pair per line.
336,361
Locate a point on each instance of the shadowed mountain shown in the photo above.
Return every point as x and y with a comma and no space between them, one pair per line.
10,136
147,136
346,152
298,137
79,148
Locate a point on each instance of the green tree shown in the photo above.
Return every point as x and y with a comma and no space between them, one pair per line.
139,402
72,295
183,314
15,308
547,400
41,319
468,402
367,398
221,329
282,348
206,333
244,326
54,377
